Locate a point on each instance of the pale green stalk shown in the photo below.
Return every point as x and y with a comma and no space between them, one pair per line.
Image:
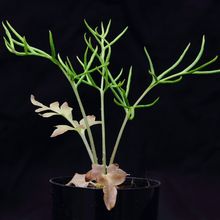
91,156
82,135
95,159
103,130
102,99
127,116
112,158
151,86
75,90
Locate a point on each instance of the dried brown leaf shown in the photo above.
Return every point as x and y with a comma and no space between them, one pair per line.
78,180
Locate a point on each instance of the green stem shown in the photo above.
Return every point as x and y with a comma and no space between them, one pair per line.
119,138
86,123
126,120
102,100
151,86
82,135
173,76
75,90
103,131
87,147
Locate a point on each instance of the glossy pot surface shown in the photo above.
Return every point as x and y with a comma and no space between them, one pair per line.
137,200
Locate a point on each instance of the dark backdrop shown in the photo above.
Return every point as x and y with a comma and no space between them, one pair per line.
176,141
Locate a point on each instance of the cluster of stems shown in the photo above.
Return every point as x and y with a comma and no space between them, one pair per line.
96,58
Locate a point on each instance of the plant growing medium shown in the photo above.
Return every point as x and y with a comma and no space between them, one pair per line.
105,173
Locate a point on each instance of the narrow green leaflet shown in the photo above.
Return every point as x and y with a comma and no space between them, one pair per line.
52,47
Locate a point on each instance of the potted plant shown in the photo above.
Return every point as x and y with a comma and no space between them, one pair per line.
80,196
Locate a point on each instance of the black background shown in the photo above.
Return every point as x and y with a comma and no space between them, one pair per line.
176,141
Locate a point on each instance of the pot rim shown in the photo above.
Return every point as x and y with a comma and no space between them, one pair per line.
152,183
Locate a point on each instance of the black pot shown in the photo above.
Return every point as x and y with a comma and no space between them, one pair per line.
137,201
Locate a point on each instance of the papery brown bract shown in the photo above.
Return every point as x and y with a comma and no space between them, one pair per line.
78,180
107,181
94,173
